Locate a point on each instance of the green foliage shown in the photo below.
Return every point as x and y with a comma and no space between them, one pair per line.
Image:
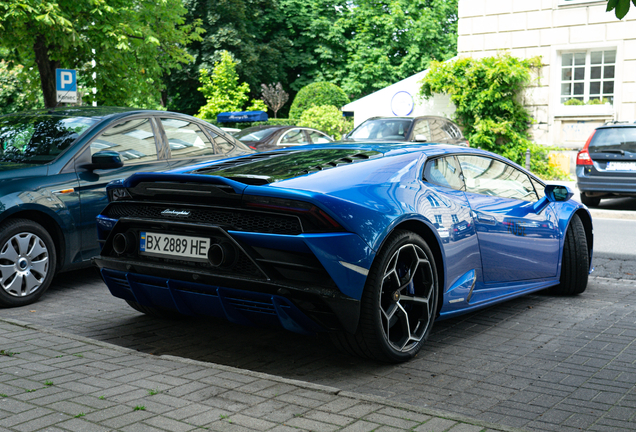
223,92
317,94
487,96
326,118
620,7
133,43
573,101
15,90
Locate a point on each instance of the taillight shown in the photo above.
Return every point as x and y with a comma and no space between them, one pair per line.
319,220
583,157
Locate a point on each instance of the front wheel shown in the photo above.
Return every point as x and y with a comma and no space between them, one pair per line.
575,263
399,303
27,262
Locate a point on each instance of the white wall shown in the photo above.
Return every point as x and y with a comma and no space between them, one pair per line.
546,28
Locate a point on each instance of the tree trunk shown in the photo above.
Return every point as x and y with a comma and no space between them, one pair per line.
46,67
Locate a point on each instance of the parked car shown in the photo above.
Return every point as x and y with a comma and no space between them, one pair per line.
266,137
54,168
432,129
606,166
345,239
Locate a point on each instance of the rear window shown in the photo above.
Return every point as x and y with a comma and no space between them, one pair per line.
620,139
382,129
247,135
38,139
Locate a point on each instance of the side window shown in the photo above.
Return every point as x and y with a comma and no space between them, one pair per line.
487,176
421,131
452,130
223,146
133,139
437,131
186,139
293,137
318,138
538,188
445,172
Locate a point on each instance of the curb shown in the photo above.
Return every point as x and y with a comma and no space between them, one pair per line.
261,375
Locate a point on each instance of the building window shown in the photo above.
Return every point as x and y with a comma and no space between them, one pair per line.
438,219
588,77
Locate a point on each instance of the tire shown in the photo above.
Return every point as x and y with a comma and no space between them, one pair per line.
399,302
155,312
590,201
575,262
27,262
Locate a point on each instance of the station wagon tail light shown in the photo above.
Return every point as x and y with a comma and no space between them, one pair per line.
118,194
583,157
299,208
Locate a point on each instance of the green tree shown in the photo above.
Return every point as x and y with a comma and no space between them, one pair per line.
16,89
133,43
326,118
223,92
487,95
620,7
317,94
253,31
393,39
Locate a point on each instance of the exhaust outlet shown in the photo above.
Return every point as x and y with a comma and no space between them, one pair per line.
221,255
122,243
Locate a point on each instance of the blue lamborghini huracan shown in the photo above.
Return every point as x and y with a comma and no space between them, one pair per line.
371,243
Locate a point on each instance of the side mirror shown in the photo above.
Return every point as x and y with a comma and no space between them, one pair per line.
553,193
556,193
106,159
421,138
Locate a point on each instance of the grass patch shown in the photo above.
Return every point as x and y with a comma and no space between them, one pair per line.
139,408
8,353
153,392
80,415
48,383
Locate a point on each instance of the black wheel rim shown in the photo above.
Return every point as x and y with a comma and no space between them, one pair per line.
407,297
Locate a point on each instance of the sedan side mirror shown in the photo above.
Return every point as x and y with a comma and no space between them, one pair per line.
421,138
106,159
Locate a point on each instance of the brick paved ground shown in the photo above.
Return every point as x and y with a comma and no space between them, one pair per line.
538,362
52,381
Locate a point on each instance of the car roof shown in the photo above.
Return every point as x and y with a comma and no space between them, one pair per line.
617,124
90,111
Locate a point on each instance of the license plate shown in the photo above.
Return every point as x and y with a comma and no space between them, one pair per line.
621,166
174,246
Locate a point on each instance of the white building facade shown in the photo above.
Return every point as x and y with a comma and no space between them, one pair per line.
587,54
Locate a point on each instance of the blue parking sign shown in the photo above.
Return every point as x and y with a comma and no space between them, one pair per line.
66,85
66,79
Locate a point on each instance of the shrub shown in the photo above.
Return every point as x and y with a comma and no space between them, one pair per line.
317,94
487,96
326,118
222,90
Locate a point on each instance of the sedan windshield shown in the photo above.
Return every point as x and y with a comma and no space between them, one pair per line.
382,129
38,139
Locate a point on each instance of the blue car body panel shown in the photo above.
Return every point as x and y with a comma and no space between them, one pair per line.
497,248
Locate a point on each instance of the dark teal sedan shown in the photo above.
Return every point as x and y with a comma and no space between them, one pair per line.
54,167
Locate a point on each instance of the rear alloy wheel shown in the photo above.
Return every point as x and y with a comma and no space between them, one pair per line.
399,303
575,263
590,201
27,262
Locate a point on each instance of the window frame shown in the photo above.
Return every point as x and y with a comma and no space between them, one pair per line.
587,76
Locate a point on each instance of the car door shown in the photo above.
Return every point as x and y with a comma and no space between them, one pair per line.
137,142
515,242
